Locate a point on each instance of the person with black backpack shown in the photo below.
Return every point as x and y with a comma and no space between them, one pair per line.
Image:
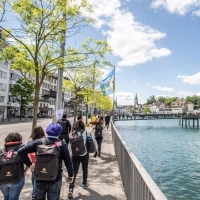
98,132
50,152
11,168
78,142
66,128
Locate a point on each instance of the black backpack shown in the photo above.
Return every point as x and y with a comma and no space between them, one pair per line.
98,131
47,161
11,168
64,125
77,144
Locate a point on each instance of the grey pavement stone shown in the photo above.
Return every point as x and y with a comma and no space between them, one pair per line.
104,177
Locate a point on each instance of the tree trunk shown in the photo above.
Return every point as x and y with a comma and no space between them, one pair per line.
86,121
35,104
75,110
20,116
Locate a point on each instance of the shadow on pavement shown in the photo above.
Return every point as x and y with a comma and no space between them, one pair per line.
94,195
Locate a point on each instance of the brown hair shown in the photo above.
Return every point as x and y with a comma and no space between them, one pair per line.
97,122
13,137
37,133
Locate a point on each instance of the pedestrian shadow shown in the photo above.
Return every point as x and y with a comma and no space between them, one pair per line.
94,195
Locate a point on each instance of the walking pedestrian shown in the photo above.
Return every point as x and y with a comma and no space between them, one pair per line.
79,153
98,132
37,133
107,120
12,169
66,128
45,185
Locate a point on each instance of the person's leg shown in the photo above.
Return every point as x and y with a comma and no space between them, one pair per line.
76,164
85,161
5,190
33,184
99,145
40,191
66,138
53,192
15,189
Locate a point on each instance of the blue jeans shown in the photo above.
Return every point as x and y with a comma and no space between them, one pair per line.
11,191
33,183
52,190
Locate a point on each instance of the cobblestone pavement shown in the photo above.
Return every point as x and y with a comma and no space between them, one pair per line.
104,177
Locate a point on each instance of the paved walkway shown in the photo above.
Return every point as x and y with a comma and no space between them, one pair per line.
104,178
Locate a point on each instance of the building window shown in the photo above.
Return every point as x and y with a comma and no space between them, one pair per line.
1,99
55,87
2,86
40,104
3,74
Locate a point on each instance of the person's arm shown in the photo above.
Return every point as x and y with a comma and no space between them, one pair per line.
67,160
25,150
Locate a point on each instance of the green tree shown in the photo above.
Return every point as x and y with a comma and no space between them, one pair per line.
193,99
41,25
22,92
146,110
151,99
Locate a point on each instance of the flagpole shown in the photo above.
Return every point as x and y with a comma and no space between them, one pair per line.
114,92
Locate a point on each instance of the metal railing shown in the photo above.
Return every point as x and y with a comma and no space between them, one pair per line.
138,185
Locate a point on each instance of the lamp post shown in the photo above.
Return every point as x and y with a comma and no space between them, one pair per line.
8,110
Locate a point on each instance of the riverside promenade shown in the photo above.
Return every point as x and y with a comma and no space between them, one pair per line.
104,177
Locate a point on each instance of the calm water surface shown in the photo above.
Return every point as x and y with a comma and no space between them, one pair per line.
170,154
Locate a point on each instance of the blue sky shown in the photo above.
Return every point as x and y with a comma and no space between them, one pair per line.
155,44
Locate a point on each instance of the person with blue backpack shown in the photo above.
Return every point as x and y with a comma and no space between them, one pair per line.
50,153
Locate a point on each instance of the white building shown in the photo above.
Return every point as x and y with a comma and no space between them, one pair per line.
8,77
178,106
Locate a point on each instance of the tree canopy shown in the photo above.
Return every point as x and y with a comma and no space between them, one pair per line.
22,92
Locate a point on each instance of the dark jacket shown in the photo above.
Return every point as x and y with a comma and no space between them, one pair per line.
64,156
68,126
107,118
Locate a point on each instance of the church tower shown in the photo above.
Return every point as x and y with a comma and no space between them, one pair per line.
136,101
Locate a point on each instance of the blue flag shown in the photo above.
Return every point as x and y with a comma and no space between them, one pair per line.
107,84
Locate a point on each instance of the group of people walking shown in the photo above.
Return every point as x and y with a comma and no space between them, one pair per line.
44,154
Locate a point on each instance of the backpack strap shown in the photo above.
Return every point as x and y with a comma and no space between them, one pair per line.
44,141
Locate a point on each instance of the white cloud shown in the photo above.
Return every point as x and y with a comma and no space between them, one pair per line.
186,93
180,7
164,89
134,81
197,13
148,85
125,98
132,41
164,95
118,69
193,79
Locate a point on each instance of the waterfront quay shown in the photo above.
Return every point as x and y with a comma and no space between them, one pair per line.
104,177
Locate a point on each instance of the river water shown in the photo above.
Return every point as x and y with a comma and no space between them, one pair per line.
169,153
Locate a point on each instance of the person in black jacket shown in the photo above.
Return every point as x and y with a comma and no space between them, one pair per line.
107,120
49,188
11,189
66,128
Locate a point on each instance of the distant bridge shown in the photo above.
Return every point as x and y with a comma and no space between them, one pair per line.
184,119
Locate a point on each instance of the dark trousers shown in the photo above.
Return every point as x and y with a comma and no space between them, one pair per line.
50,190
64,137
99,141
77,160
107,124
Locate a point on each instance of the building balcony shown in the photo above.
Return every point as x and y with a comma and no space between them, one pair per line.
44,100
